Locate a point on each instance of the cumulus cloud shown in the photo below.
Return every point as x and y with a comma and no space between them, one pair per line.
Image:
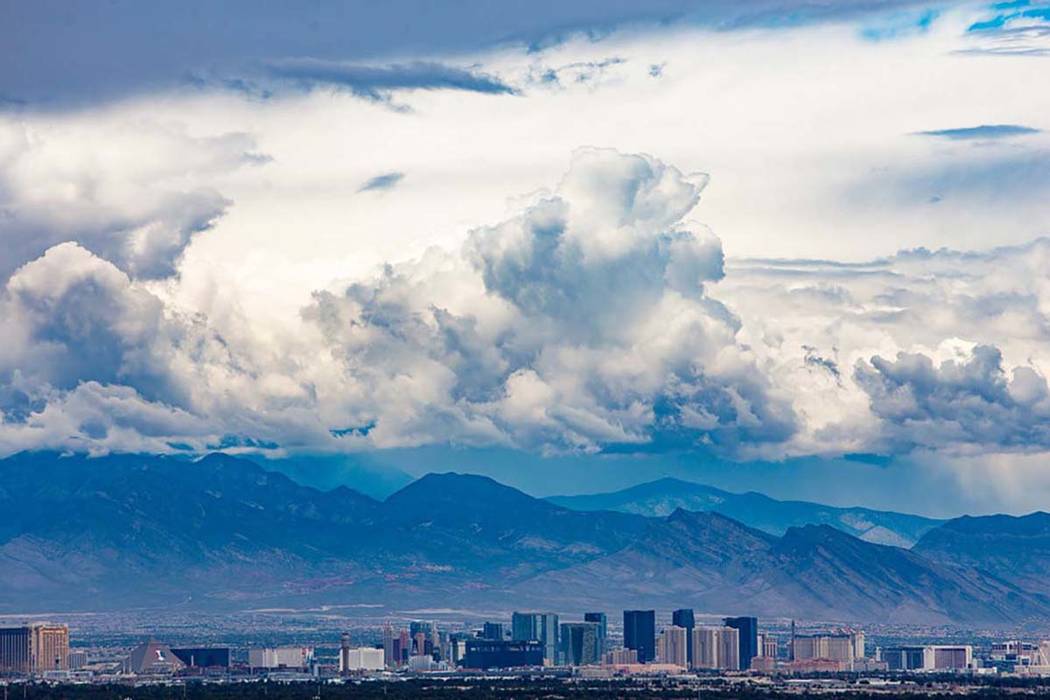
580,324
87,358
964,402
934,350
598,317
94,360
138,202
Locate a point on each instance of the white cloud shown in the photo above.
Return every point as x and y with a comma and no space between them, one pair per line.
935,350
471,304
134,191
580,323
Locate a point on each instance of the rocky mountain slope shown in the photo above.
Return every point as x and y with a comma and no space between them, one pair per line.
664,496
221,533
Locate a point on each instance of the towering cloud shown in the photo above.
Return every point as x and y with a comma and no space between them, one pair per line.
582,323
598,317
137,202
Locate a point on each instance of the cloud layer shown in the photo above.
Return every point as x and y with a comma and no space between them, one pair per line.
202,269
138,202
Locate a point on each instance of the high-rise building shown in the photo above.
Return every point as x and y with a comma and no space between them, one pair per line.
344,652
78,660
716,648
292,658
390,656
15,650
618,657
404,651
579,643
603,629
436,645
420,644
50,647
683,617
952,657
34,648
729,650
360,659
932,657
908,658
486,653
420,627
492,630
769,646
748,627
639,633
457,648
844,647
671,647
538,627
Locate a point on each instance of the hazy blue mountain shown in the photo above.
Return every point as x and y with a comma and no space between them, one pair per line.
222,533
326,472
716,564
664,496
1014,548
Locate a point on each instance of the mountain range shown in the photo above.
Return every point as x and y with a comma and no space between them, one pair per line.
663,496
119,531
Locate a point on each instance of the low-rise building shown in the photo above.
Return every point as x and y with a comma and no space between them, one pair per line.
361,659
293,658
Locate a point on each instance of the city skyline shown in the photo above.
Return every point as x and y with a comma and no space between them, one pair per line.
688,347
43,649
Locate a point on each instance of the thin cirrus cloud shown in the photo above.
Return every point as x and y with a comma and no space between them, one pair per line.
379,183
981,132
109,51
376,82
1017,28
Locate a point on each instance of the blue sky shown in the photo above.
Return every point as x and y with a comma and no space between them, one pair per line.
574,245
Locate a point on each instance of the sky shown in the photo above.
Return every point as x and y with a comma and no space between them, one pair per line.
792,246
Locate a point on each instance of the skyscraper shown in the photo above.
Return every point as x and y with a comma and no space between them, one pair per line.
603,628
404,647
683,617
748,627
539,627
729,650
15,650
50,647
671,646
579,643
492,630
344,653
639,633
716,648
390,649
34,648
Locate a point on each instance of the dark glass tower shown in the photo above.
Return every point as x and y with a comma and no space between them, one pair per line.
540,627
603,628
493,631
748,627
683,617
639,633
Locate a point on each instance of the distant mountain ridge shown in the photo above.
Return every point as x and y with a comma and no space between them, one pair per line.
1014,548
223,533
664,496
